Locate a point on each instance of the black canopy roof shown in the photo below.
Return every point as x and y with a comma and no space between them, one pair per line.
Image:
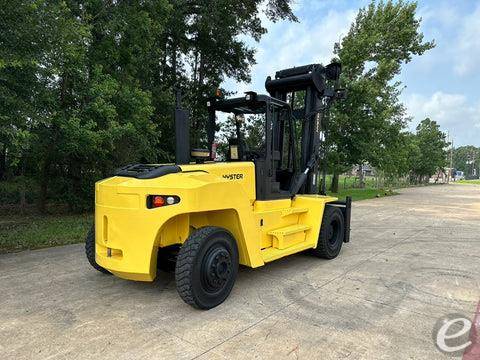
240,105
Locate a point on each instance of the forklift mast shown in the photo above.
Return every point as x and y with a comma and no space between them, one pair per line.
278,173
315,82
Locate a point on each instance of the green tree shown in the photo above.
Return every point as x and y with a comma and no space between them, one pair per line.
87,85
21,46
428,151
95,106
364,127
467,159
211,37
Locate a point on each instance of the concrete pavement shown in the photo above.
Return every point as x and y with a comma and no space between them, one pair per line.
412,259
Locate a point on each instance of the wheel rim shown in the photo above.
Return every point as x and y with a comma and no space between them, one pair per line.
216,269
333,233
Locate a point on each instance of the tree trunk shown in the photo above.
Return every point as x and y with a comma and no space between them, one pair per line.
163,67
361,178
23,189
3,161
195,124
195,70
174,62
44,180
334,185
74,173
23,198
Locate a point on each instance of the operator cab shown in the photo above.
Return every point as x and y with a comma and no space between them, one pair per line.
273,156
289,150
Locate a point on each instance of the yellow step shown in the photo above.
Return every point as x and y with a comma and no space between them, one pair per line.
293,210
288,236
288,230
271,253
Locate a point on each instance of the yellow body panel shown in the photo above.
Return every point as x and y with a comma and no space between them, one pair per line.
128,234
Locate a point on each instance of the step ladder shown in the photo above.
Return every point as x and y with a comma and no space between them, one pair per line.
288,236
293,211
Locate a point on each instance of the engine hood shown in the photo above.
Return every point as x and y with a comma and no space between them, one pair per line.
141,180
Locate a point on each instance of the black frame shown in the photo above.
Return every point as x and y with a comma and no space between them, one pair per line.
312,79
267,186
346,207
321,89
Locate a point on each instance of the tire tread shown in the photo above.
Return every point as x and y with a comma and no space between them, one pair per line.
90,251
321,250
186,261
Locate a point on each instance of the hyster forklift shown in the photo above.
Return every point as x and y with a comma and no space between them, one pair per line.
206,217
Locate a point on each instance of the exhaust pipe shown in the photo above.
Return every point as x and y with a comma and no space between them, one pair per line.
182,133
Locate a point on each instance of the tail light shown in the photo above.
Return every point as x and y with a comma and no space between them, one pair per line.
156,201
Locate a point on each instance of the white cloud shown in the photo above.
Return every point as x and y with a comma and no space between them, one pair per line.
439,12
432,79
304,42
293,44
452,111
467,48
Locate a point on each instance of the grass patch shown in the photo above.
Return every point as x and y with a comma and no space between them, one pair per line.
475,181
35,231
362,194
347,182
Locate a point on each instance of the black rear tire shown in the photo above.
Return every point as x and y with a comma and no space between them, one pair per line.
332,233
90,251
206,267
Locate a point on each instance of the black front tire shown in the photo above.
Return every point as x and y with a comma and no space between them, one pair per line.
332,233
90,251
206,267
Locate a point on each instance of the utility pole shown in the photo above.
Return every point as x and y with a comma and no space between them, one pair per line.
451,157
471,171
450,172
474,172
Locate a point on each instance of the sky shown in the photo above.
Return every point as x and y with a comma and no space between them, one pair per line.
443,84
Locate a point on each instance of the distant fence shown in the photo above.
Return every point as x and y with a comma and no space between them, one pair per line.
372,182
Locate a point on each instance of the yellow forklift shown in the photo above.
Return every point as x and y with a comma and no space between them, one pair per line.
204,217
